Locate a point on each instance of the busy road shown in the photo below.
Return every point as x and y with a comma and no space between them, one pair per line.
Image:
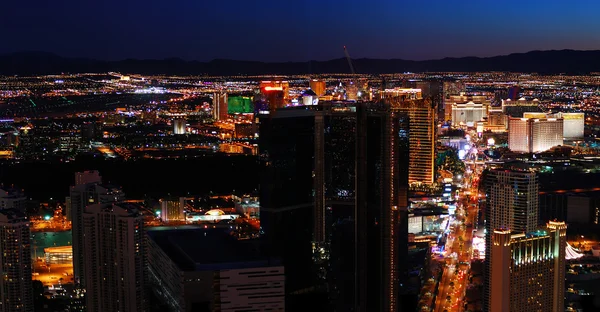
458,251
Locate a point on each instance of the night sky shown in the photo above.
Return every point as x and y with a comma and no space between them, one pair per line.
300,30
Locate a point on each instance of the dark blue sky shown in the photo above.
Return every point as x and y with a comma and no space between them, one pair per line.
296,30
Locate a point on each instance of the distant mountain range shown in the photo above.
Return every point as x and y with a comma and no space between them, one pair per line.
553,61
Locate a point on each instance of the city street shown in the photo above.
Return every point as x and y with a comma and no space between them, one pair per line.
458,248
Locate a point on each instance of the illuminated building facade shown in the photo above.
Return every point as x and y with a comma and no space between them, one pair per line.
115,258
171,209
69,141
88,190
15,245
179,126
318,86
220,109
528,270
309,97
512,203
240,104
573,123
532,135
449,89
274,94
59,255
245,130
516,109
469,113
460,100
422,139
496,120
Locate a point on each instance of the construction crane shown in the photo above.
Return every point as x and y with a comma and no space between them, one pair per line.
349,60
353,80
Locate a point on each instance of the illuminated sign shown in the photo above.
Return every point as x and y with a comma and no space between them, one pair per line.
273,88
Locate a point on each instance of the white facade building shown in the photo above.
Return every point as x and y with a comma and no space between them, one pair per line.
179,126
573,123
469,113
115,258
533,135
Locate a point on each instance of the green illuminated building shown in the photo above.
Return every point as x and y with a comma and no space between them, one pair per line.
240,105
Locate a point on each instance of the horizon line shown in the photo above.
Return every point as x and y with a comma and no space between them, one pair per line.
283,62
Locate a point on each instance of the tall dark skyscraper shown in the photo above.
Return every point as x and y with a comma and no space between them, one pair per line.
87,190
362,175
286,143
352,161
15,246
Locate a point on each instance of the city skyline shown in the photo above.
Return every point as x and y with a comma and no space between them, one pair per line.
363,192
297,31
362,156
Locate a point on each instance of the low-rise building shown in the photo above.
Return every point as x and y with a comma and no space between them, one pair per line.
196,269
12,198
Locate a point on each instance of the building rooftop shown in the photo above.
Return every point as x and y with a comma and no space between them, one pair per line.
309,92
10,192
121,209
195,248
12,216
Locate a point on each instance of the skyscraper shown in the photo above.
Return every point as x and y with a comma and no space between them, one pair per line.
421,116
179,126
361,175
573,123
533,135
171,209
318,86
272,95
87,190
220,106
524,265
115,258
286,149
15,263
267,86
528,270
355,158
512,200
